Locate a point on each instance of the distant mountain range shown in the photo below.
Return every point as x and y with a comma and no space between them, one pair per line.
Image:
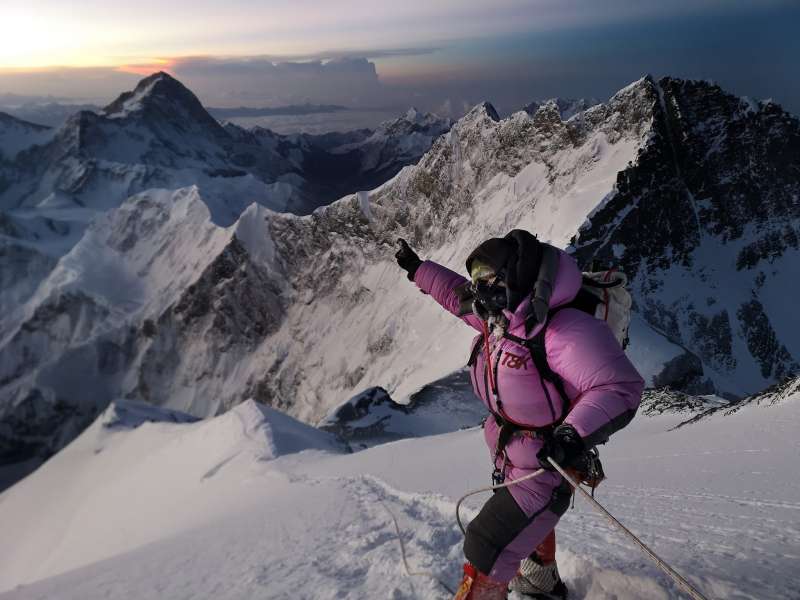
292,109
53,114
196,287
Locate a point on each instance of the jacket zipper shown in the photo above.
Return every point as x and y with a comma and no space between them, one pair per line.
497,403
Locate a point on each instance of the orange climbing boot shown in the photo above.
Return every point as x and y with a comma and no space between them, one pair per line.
477,586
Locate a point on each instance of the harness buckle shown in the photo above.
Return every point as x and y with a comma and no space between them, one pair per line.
498,477
499,473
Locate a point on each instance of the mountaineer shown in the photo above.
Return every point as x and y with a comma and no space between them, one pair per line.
556,382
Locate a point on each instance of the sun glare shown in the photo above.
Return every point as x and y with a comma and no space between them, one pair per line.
22,43
29,42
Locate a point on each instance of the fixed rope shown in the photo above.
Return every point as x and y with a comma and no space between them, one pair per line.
676,577
661,563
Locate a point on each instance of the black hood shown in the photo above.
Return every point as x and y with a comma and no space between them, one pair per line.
495,252
518,259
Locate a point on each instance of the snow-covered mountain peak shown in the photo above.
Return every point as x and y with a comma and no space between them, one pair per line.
483,110
719,182
565,108
17,135
132,101
413,122
413,114
160,95
645,82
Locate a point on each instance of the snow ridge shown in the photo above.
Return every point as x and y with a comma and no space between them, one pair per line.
311,521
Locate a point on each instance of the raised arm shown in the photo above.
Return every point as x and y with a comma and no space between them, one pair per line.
583,351
436,280
442,284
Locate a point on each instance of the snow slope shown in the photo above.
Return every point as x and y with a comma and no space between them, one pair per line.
146,474
253,504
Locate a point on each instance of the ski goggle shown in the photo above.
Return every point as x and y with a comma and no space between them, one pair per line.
480,271
487,287
491,294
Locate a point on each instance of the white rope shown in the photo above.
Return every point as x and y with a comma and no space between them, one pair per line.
489,489
409,572
672,573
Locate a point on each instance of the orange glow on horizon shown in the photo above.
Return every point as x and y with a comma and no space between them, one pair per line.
149,67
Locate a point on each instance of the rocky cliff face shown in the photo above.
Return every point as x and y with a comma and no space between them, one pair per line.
54,182
705,223
154,303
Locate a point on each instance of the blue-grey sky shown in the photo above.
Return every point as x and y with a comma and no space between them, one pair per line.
443,55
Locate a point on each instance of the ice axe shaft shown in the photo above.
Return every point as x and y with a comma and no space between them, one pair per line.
669,571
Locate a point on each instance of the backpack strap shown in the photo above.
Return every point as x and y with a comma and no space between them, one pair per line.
584,301
538,352
475,350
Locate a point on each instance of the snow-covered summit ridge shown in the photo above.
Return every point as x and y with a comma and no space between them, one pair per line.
565,107
174,470
197,511
266,431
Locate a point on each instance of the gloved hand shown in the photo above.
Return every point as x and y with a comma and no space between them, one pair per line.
565,447
407,258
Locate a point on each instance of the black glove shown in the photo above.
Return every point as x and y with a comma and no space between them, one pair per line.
564,446
407,258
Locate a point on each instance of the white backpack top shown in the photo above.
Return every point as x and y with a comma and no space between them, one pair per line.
615,300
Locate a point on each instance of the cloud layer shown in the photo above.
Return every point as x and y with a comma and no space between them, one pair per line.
442,56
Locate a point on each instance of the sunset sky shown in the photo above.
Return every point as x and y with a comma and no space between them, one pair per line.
438,54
